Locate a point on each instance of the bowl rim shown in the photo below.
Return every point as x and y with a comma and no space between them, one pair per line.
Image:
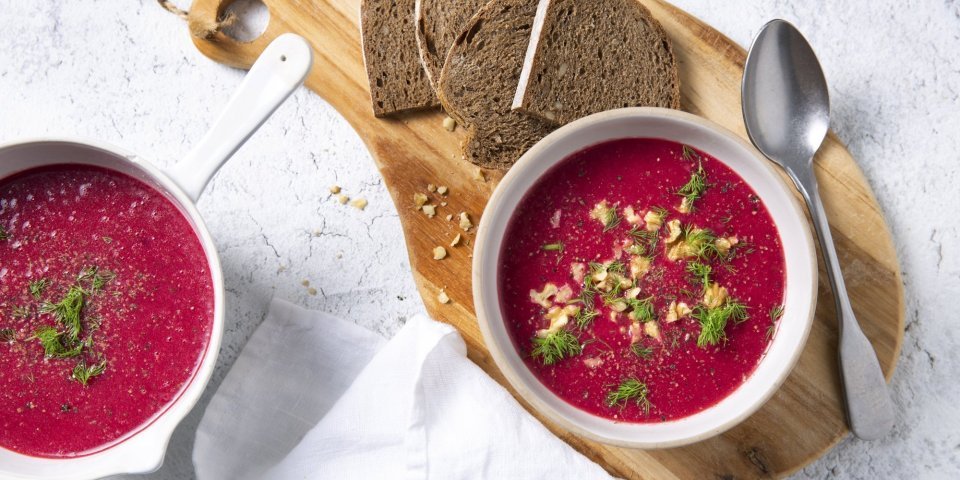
487,252
141,450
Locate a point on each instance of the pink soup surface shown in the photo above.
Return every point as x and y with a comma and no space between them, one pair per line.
149,323
680,377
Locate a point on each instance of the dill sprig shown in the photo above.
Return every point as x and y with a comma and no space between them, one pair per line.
585,317
690,154
630,390
641,351
82,373
20,311
552,247
555,347
7,335
775,313
713,321
646,238
37,287
95,278
694,187
68,311
54,344
641,310
701,272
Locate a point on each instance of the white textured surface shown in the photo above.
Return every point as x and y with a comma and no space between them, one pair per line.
126,72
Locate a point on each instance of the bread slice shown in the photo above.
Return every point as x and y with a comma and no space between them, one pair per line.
398,82
479,78
438,24
587,57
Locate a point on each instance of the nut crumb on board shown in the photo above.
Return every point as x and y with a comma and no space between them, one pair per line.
449,217
465,222
312,291
335,189
343,199
479,176
456,241
305,282
450,124
429,210
443,298
439,253
360,203
419,200
442,190
431,188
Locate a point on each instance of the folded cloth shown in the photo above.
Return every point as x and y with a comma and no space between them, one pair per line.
312,397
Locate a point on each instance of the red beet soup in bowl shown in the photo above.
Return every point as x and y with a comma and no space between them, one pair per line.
644,278
111,291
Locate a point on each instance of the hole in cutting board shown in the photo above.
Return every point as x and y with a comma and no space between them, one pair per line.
252,20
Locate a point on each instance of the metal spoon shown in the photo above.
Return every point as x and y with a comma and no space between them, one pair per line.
786,107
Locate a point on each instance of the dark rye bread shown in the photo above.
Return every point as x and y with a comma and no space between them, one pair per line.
587,57
397,80
479,78
438,24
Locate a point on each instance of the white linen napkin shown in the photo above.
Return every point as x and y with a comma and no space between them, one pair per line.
312,397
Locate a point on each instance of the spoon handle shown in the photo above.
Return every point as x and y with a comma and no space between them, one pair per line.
869,407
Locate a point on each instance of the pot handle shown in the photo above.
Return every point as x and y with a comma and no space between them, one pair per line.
279,70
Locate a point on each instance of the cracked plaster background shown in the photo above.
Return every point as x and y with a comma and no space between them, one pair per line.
126,72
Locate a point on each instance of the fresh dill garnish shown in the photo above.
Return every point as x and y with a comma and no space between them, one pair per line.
68,311
82,373
647,238
694,187
617,267
690,154
7,335
641,310
95,278
585,317
641,351
701,272
54,345
555,347
610,219
20,311
727,219
37,287
703,243
775,313
630,390
713,321
552,247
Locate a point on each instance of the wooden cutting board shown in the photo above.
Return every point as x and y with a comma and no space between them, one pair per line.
805,417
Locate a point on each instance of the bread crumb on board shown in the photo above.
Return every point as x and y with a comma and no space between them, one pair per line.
439,253
443,298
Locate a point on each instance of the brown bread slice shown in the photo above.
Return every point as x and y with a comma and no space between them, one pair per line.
478,81
397,80
438,24
587,57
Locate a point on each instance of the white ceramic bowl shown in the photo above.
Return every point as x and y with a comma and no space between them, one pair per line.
742,158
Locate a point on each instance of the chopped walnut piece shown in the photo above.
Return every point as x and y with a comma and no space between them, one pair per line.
449,217
652,329
442,190
676,311
479,176
631,216
431,188
639,266
635,332
592,362
335,189
673,231
685,206
725,244
714,295
439,253
343,199
577,271
429,210
564,294
559,317
542,297
455,241
653,221
443,298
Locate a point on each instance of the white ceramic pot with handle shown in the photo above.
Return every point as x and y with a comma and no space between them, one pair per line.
277,73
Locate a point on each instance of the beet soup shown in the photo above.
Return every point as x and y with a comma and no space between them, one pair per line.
106,308
641,280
